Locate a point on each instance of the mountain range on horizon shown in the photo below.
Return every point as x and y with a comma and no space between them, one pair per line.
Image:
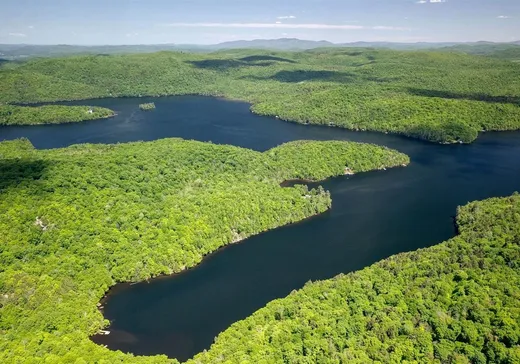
19,51
300,44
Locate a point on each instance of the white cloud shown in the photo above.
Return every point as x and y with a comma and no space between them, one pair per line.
430,1
279,25
31,27
17,35
132,34
382,27
286,17
503,17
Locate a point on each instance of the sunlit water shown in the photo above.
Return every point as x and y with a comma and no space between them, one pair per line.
374,215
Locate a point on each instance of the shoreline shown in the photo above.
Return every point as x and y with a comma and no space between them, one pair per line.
251,109
114,114
121,286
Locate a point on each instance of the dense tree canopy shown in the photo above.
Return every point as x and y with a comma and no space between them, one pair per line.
457,302
437,96
50,114
75,221
148,106
506,51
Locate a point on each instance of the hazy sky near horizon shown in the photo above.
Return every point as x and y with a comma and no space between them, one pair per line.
90,22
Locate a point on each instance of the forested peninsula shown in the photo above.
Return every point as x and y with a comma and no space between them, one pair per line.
76,221
50,114
457,302
443,97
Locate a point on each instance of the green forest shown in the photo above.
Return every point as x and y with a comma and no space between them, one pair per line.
50,114
457,302
147,106
506,51
78,220
443,97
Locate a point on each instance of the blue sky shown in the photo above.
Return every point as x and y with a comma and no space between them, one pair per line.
213,21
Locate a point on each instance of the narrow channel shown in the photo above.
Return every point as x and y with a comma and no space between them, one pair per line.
374,215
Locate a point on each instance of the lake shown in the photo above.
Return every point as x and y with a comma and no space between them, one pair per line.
374,215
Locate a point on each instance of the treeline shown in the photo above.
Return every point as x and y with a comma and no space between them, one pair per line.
457,302
440,97
76,221
50,114
298,160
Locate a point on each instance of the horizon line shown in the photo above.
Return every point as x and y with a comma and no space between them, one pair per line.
253,40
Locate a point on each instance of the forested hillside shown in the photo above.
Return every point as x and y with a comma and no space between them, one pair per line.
457,302
440,97
506,51
50,114
76,221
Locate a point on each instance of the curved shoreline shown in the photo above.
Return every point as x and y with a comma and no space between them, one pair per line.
402,292
121,286
416,148
118,287
40,113
252,104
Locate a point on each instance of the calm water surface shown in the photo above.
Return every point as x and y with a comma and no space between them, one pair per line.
374,215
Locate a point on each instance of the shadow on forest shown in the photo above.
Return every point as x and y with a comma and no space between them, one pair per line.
515,100
303,76
300,76
16,171
250,61
266,58
225,64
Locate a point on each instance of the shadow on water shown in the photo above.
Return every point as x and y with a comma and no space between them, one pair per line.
374,215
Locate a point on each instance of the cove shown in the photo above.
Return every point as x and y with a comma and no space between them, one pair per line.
374,215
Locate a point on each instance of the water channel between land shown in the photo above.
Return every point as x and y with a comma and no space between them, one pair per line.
374,215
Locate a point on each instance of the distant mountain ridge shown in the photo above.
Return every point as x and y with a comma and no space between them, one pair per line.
282,43
20,51
299,44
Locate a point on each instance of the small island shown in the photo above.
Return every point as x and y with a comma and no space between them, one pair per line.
147,107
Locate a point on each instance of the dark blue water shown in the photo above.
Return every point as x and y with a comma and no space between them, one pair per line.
374,215
189,117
